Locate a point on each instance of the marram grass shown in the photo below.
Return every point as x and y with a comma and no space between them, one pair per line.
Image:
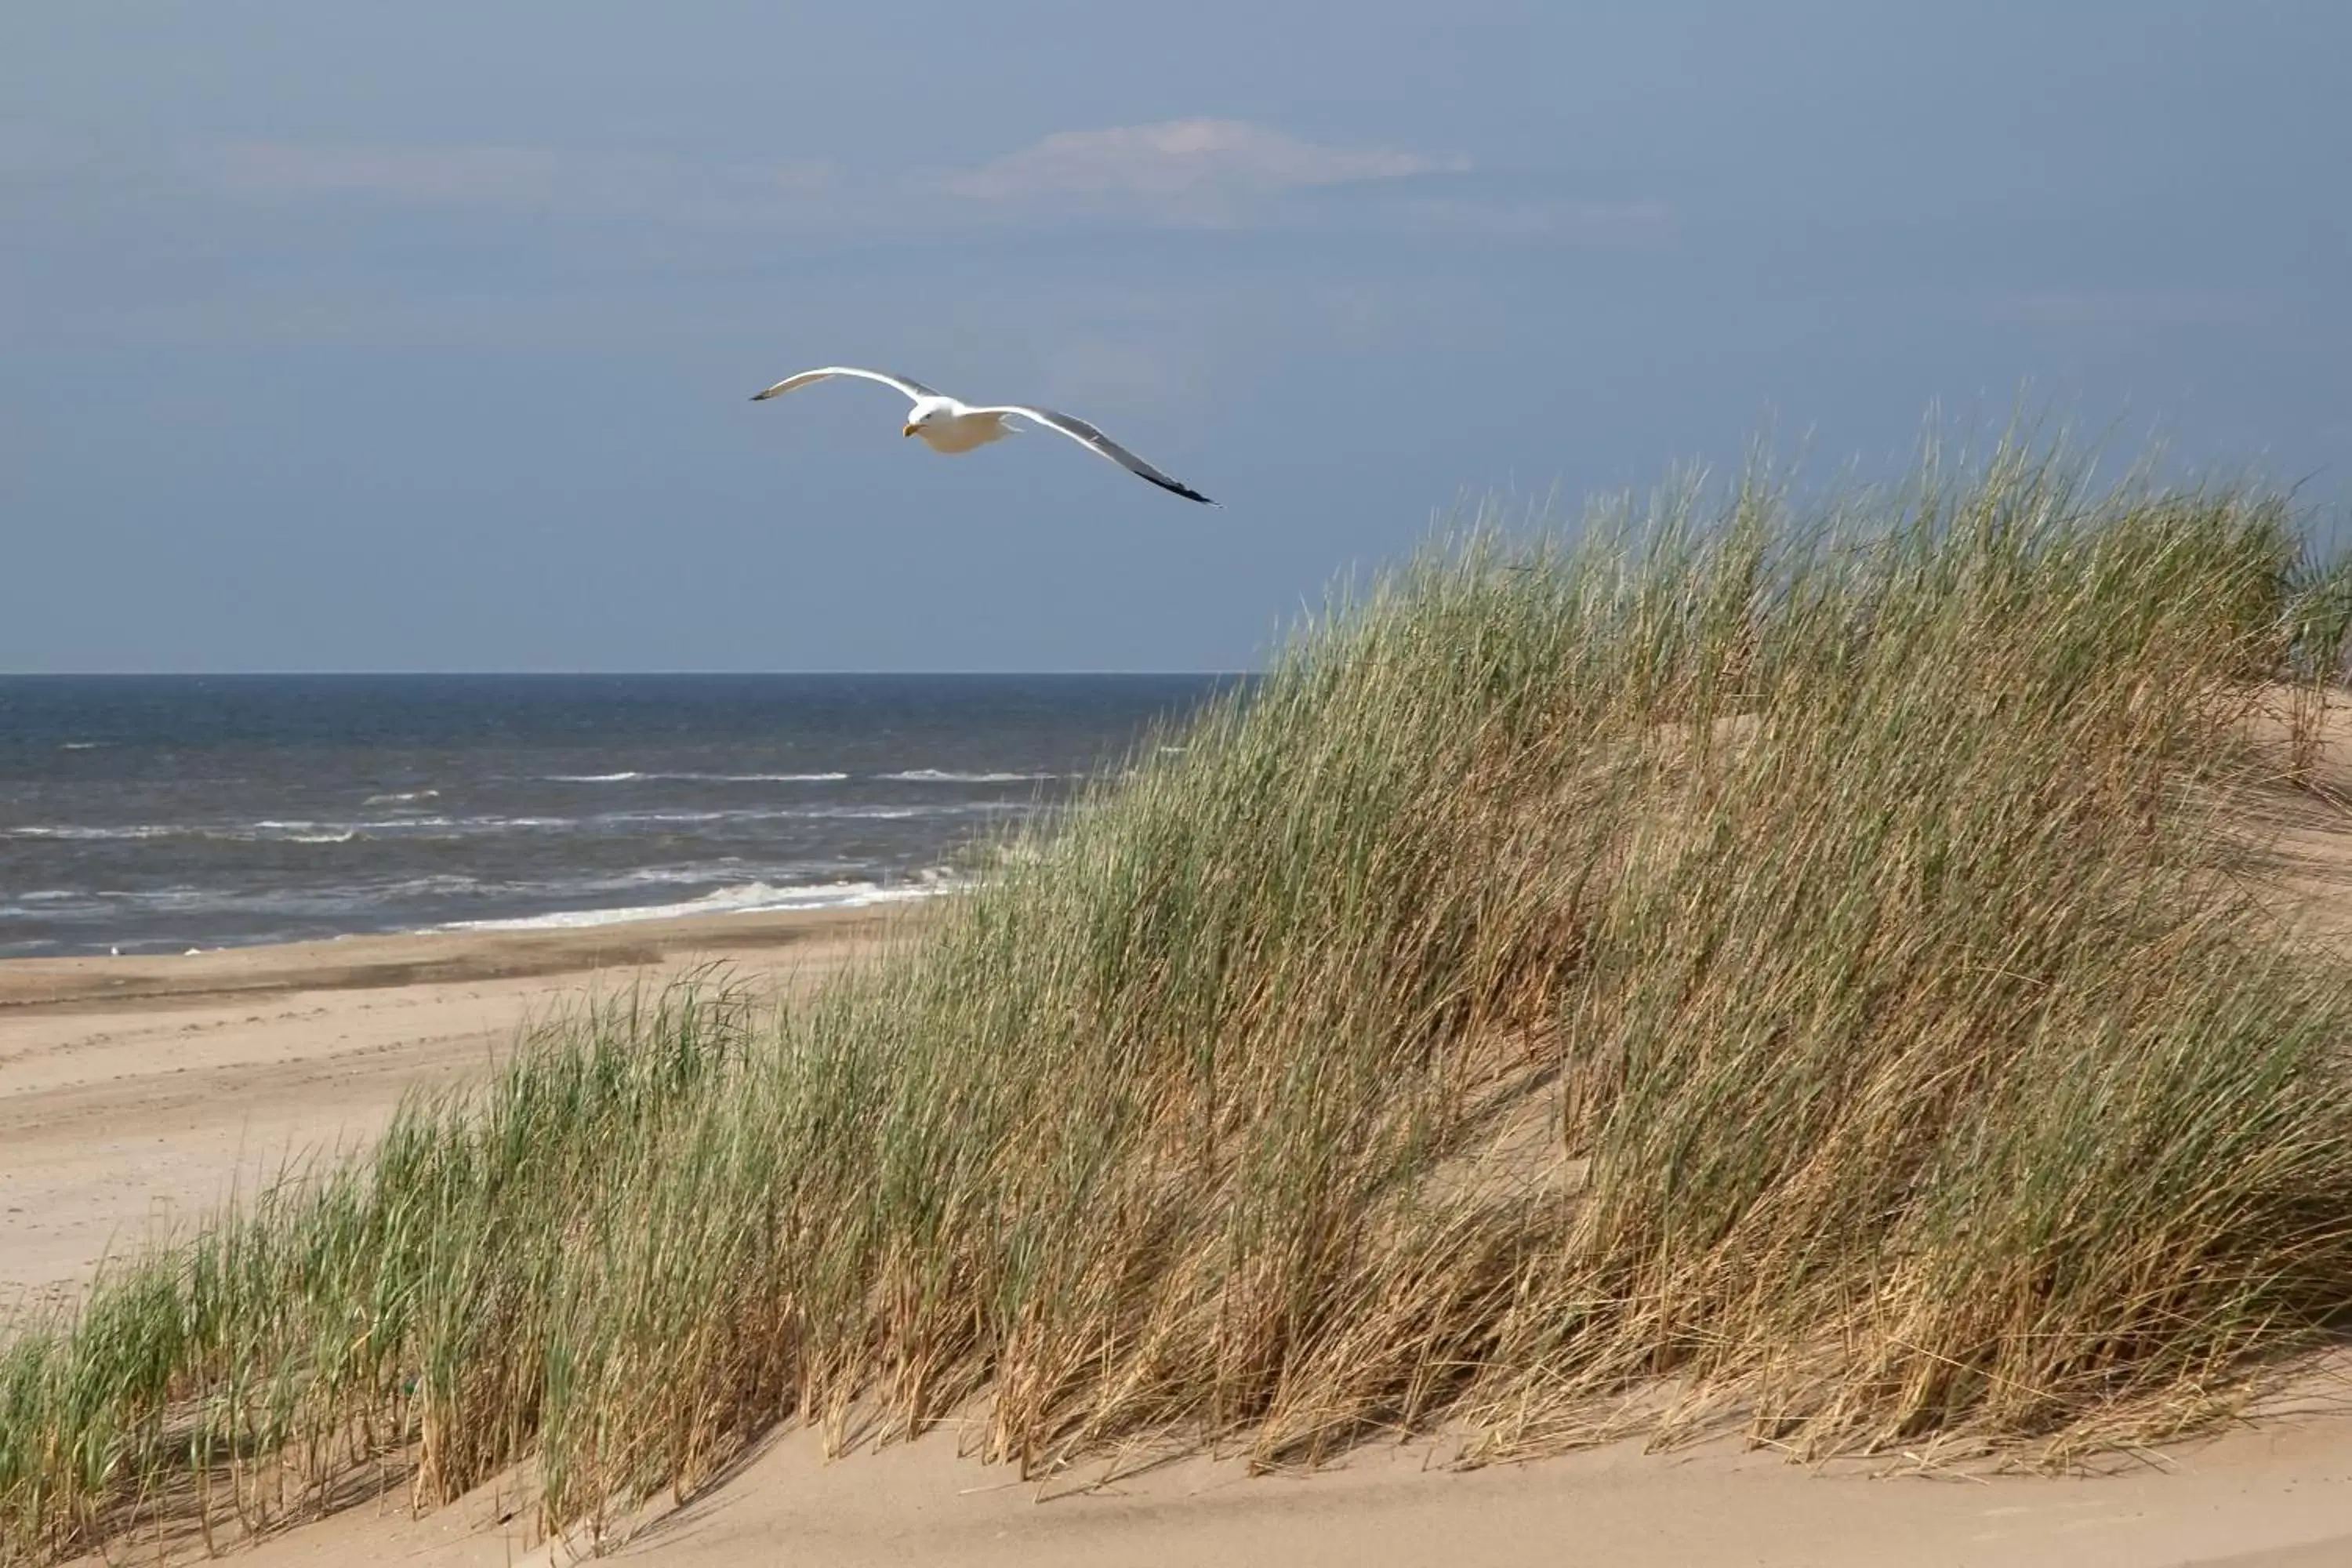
1732,972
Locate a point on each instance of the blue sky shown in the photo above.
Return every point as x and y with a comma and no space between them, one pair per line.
421,336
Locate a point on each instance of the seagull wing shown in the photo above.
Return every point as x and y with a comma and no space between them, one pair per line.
913,389
1102,446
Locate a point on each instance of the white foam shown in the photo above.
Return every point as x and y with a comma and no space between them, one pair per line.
420,824
306,831
428,887
937,775
655,876
320,832
809,813
900,813
695,778
401,797
141,830
446,884
751,898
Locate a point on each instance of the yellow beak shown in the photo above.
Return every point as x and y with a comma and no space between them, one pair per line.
907,431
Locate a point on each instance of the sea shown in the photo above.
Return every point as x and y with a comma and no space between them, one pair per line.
147,814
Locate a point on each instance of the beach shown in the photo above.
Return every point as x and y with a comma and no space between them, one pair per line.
136,1092
2273,1497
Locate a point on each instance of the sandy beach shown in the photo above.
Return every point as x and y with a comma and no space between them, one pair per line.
2276,1498
134,1092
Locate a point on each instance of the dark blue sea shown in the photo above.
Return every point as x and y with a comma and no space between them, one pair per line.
158,813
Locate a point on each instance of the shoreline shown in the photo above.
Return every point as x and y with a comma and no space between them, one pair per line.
434,954
726,902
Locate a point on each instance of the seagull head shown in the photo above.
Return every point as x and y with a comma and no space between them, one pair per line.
927,411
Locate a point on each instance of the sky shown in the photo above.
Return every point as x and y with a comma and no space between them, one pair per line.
420,337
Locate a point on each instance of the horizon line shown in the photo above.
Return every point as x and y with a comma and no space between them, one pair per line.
577,674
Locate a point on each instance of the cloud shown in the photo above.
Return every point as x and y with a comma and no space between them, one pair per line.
1192,164
1234,174
1197,173
1189,170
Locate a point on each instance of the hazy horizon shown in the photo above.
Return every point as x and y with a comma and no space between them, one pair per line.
421,344
553,674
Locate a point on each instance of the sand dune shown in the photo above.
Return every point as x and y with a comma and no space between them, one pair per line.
133,1092
2275,1497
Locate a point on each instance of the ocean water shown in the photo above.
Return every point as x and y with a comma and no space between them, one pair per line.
157,814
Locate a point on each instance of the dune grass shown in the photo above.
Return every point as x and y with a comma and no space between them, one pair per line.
1737,970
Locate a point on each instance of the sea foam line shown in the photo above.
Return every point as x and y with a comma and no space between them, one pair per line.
272,830
754,898
939,776
633,777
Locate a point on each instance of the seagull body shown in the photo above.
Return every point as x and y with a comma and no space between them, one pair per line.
952,426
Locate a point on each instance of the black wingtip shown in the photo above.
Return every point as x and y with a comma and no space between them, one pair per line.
1177,486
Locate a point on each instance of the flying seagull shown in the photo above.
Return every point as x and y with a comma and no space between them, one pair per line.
948,424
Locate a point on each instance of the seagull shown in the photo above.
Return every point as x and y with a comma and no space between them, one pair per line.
948,424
